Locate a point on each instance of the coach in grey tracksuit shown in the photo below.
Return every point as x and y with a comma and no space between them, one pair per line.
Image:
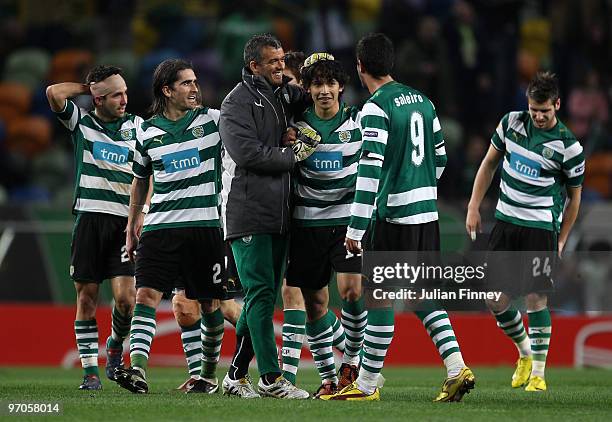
256,192
256,178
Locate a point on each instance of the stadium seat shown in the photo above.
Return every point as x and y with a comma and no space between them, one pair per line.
598,174
29,135
15,100
28,66
70,65
52,169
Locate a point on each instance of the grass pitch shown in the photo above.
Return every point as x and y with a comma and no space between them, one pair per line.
407,395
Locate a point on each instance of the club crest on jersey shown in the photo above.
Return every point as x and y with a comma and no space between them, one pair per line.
198,131
547,153
126,134
344,136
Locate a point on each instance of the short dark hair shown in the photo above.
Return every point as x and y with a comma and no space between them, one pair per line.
543,87
324,70
165,74
253,47
375,52
294,60
101,72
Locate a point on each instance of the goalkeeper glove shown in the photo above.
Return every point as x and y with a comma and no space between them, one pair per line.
306,142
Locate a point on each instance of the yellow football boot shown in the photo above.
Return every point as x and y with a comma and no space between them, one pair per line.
536,384
455,387
352,392
522,372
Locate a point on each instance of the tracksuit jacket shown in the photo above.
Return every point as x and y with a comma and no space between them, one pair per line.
256,168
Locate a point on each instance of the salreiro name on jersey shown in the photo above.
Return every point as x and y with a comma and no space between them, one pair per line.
403,156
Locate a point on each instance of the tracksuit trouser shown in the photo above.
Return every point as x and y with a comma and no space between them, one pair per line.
260,260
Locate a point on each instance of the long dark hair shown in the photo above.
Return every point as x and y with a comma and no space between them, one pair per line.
165,74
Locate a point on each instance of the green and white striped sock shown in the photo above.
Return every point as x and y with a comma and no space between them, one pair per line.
86,332
339,341
141,335
354,319
294,331
378,336
511,322
120,328
212,338
320,337
441,331
191,337
540,330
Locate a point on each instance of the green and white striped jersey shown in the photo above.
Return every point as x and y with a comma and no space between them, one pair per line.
184,158
403,152
537,164
103,153
326,181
